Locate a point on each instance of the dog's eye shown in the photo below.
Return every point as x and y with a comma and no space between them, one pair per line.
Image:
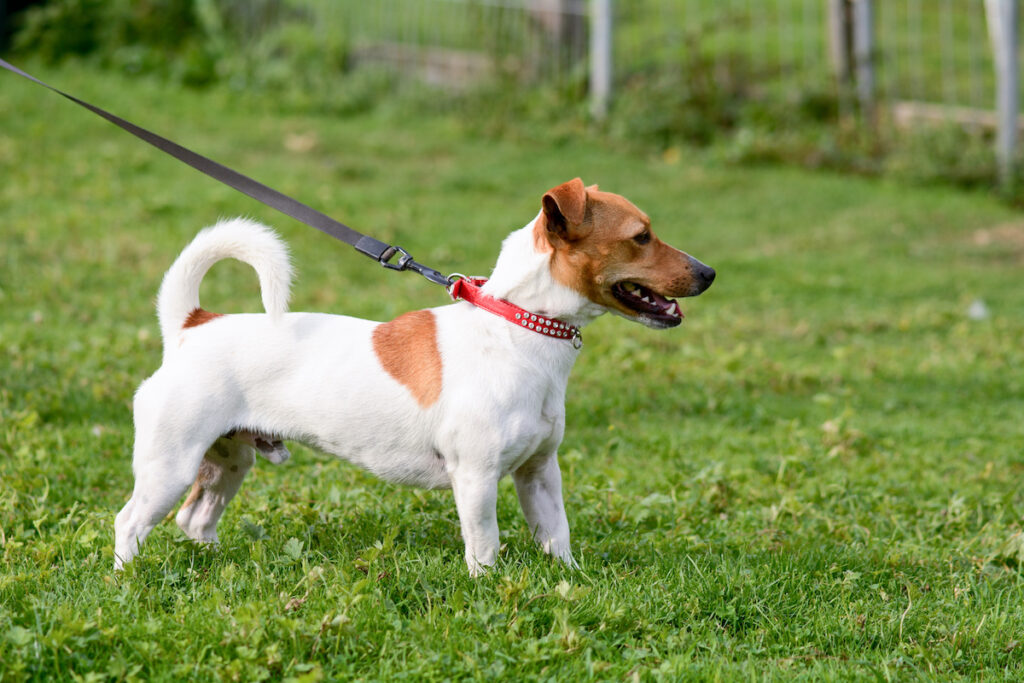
643,238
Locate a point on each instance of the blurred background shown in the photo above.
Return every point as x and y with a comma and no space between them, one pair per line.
909,88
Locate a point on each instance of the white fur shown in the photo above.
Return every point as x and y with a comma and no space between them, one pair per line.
240,239
315,378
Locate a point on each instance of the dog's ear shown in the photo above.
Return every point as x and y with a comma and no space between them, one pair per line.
565,208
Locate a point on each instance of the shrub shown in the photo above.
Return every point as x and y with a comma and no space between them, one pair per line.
196,42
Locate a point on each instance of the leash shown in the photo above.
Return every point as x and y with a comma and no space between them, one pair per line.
379,251
460,288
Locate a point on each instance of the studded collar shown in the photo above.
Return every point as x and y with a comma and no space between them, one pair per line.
468,289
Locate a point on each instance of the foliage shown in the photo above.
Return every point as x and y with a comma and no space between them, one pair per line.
136,36
944,153
266,43
706,90
816,477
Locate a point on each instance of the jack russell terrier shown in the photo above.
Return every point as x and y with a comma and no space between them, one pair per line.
454,396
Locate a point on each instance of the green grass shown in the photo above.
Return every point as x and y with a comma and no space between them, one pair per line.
817,476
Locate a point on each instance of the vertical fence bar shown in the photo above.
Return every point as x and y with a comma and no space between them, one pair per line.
1002,29
600,57
948,38
974,39
916,46
863,19
839,42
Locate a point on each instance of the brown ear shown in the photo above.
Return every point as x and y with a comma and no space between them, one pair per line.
565,208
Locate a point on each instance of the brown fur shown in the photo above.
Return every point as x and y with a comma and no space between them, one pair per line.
198,317
568,199
407,350
540,235
600,250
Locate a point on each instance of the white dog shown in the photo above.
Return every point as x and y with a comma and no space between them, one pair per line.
457,396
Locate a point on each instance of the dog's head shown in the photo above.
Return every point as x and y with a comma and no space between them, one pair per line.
602,247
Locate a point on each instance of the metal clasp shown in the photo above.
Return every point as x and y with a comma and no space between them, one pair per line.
406,262
389,253
452,279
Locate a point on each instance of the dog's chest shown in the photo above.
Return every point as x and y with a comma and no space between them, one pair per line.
529,421
544,432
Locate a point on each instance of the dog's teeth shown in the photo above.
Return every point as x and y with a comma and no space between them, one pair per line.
644,298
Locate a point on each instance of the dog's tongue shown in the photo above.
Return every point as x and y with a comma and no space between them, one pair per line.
668,306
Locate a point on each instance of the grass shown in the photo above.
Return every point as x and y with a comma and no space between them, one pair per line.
817,476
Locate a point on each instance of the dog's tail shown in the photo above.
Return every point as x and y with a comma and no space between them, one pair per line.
240,239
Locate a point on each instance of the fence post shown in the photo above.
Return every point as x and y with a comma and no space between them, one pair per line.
1002,30
600,57
863,17
851,29
839,39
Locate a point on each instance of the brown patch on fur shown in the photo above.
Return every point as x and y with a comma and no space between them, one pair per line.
198,317
407,350
541,244
601,251
565,212
571,200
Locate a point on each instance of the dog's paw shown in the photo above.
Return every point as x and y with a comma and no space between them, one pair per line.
477,568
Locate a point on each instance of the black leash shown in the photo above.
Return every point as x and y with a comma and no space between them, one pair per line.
379,251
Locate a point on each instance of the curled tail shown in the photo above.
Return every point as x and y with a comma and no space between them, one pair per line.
237,238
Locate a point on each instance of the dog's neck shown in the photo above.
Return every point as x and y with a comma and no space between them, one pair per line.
523,277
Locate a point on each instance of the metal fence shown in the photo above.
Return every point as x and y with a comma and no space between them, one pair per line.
910,60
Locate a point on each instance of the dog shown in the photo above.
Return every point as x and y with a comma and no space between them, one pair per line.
449,397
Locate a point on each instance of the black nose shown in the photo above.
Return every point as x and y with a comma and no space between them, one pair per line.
703,274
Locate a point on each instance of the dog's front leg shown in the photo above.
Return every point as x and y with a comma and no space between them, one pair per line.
476,499
539,487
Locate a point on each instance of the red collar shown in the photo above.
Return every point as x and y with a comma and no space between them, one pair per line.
468,289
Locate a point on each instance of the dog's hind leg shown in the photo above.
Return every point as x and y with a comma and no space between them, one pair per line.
220,475
171,437
162,474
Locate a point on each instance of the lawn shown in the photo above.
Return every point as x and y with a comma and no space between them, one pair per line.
817,476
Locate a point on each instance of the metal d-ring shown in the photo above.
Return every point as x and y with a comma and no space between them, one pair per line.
452,279
577,339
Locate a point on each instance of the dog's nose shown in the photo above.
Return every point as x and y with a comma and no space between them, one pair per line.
703,274
707,274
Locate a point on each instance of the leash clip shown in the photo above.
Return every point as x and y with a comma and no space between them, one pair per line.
389,253
406,262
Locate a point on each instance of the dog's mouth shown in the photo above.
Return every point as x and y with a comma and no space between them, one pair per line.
653,308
